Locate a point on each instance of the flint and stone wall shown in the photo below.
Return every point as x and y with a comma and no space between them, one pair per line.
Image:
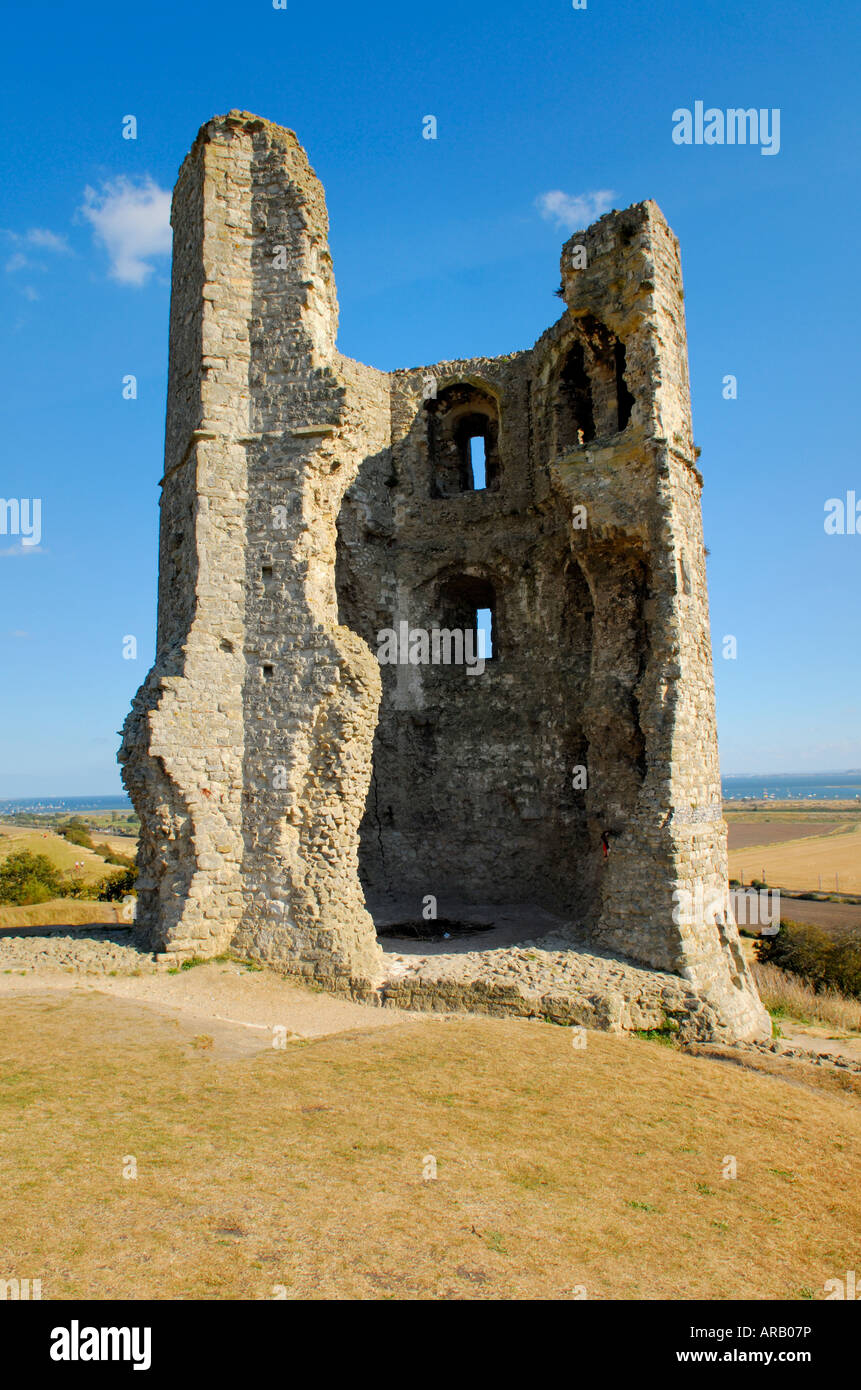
284,777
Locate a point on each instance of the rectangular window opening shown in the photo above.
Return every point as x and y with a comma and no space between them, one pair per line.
484,629
477,462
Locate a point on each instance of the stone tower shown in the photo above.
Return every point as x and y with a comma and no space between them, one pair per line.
292,788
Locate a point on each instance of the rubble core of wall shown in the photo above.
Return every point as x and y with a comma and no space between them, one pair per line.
289,784
553,978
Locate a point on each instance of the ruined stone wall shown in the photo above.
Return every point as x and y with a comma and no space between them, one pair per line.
183,741
234,753
645,558
286,780
311,689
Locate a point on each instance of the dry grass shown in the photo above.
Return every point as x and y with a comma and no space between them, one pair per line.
782,992
120,844
59,912
303,1168
799,864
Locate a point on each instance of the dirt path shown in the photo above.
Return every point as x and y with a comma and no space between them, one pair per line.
239,1010
225,1006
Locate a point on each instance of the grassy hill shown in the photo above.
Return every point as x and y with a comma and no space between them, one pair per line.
58,850
305,1169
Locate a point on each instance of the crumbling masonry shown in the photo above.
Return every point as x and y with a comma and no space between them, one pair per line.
291,788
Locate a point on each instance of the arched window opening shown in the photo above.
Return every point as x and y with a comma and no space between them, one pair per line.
463,441
592,399
467,605
575,422
471,436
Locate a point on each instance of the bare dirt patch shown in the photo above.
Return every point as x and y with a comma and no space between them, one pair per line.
242,1009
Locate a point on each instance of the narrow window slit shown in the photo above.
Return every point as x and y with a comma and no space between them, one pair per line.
477,463
484,630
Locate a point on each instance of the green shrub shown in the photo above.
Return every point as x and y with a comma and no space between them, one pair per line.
33,890
826,960
115,887
76,832
28,878
86,888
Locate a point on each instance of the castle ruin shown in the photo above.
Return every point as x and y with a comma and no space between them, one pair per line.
295,792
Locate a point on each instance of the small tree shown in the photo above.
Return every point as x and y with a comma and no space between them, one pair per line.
115,887
28,878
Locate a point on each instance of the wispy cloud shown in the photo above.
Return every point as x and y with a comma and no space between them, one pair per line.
21,549
39,238
573,211
132,221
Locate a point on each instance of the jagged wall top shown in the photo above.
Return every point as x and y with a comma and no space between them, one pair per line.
632,282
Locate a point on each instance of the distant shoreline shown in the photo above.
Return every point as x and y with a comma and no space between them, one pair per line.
794,787
52,804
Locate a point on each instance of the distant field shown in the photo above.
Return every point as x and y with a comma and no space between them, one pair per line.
744,833
103,823
120,844
809,860
796,808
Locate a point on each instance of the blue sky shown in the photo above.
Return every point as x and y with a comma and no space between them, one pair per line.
440,250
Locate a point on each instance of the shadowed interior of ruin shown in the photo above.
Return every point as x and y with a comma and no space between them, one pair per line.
475,795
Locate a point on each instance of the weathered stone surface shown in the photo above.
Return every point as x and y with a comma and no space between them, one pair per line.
284,778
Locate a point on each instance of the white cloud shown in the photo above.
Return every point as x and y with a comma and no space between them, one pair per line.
132,220
21,549
40,236
36,236
574,212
